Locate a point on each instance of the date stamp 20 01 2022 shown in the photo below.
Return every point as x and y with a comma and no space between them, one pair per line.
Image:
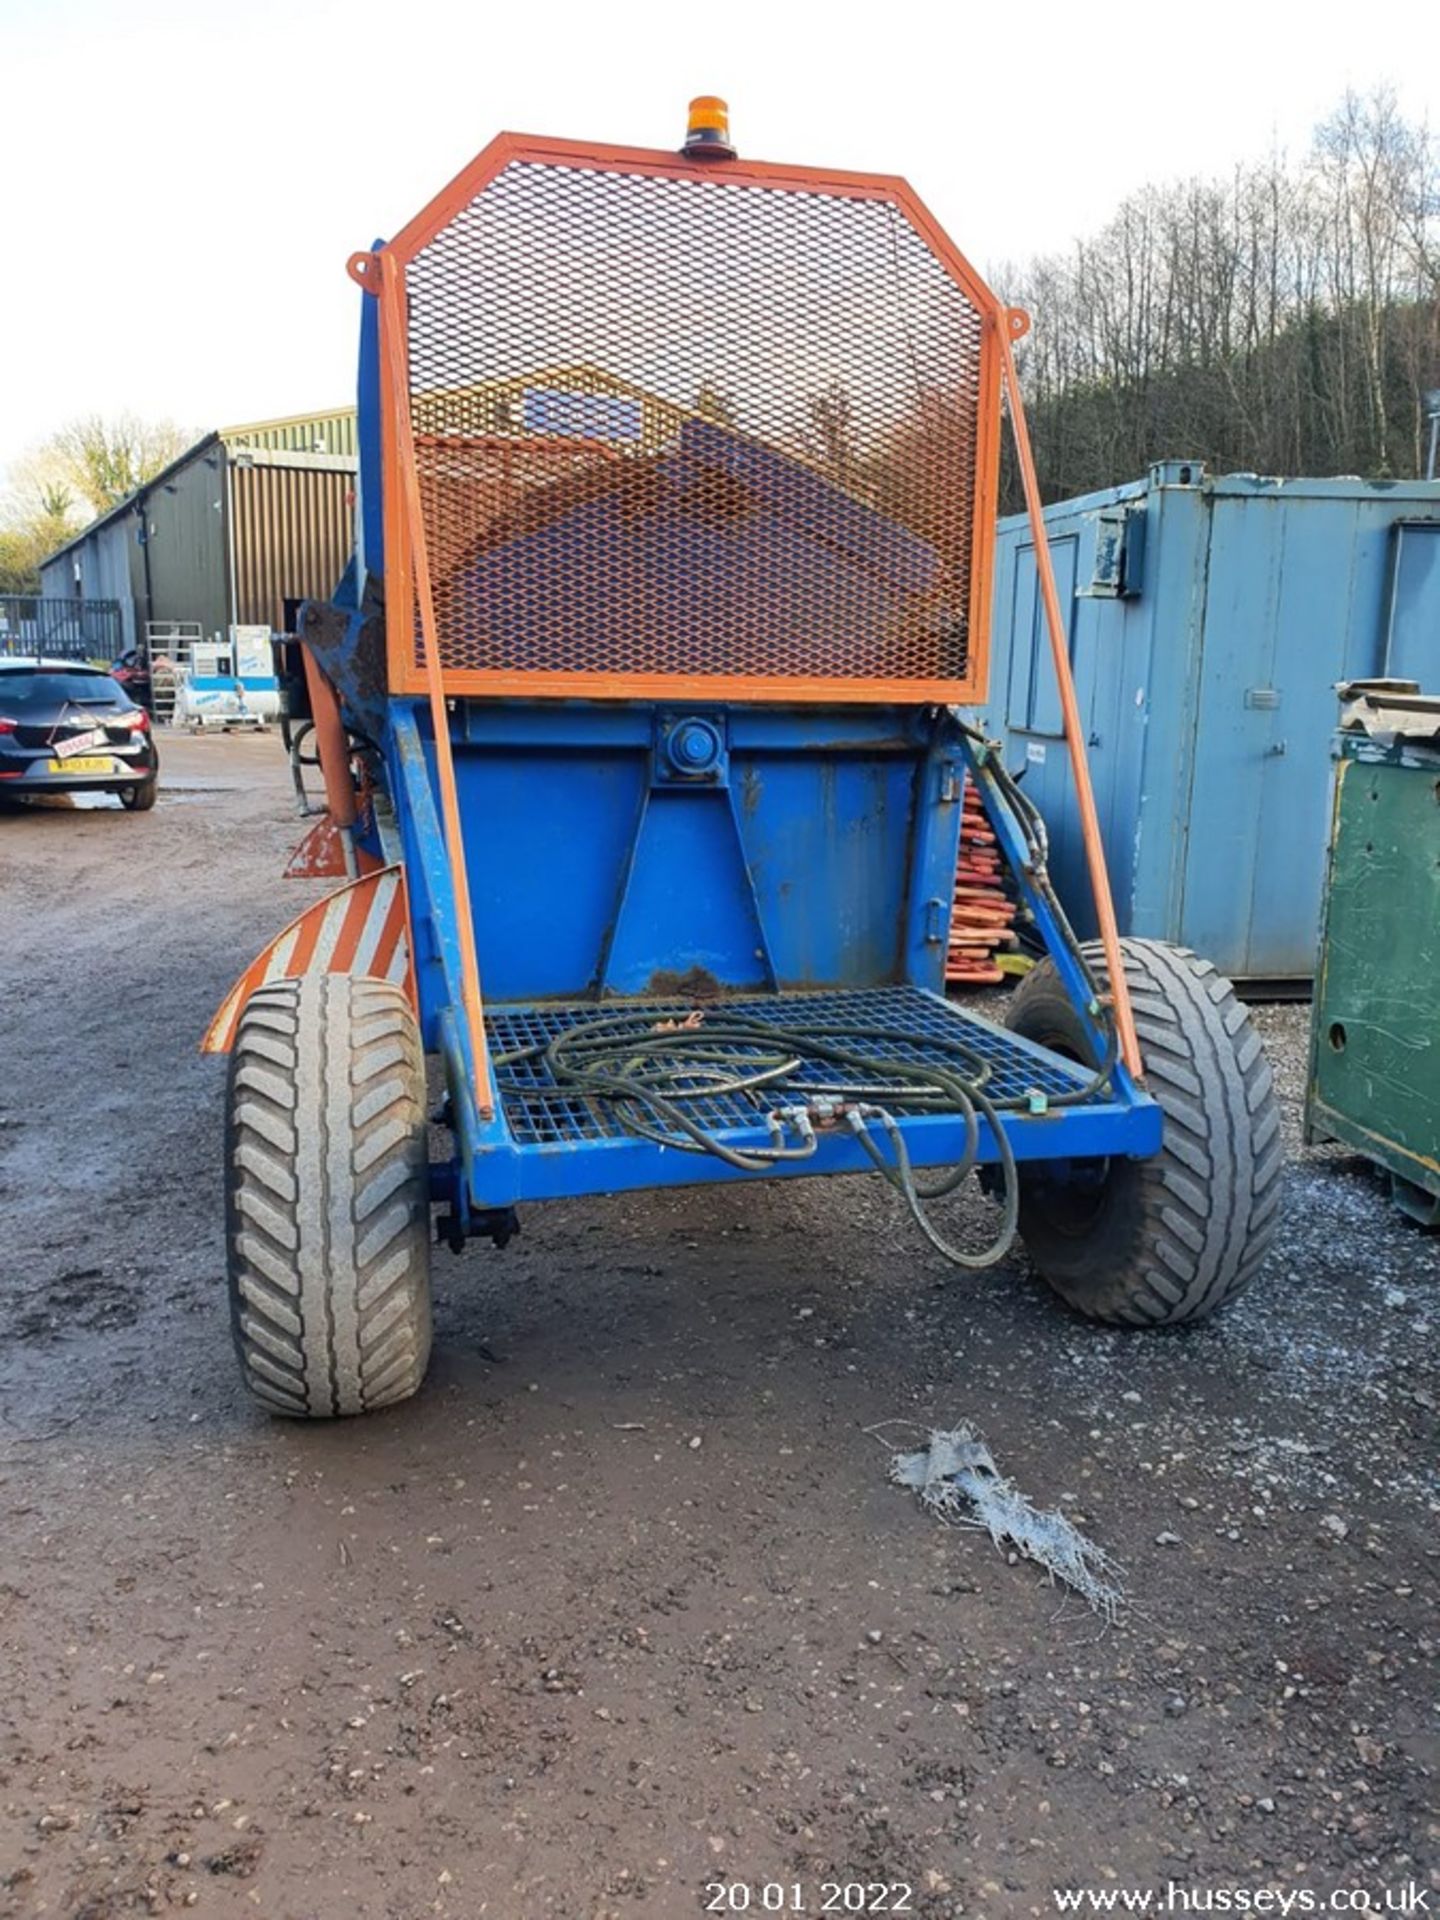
793,1896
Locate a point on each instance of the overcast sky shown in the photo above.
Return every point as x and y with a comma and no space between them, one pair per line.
183,179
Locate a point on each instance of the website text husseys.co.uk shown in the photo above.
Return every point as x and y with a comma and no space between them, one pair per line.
1408,1897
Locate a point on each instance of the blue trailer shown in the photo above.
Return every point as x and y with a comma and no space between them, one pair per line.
646,711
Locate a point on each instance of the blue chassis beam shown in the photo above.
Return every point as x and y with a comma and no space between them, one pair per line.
490,1170
506,1175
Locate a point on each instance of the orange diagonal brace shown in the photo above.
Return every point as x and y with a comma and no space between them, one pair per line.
1013,324
397,378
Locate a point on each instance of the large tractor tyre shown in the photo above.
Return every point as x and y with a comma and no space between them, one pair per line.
328,1197
1153,1243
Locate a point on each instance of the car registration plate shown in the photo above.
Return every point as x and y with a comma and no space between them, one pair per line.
79,743
84,763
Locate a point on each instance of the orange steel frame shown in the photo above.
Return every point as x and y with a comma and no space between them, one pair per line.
407,572
1017,325
407,676
404,497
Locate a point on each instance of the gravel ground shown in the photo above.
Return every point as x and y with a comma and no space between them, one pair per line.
622,1605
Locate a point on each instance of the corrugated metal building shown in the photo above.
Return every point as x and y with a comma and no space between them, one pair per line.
248,520
1209,623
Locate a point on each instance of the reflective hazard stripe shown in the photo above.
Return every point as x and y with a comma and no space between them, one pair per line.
362,928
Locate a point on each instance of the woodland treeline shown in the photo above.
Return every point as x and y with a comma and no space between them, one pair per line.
1283,320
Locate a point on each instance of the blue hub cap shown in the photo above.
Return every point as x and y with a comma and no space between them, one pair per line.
694,747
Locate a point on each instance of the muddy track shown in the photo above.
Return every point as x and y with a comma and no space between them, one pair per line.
622,1603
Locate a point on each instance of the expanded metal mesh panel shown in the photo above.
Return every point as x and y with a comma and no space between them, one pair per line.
687,426
917,1026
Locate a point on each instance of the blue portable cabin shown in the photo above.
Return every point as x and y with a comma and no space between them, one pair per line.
1210,620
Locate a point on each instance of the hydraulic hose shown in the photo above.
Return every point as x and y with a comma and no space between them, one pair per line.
662,1076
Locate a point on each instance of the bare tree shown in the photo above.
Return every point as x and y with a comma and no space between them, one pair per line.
829,434
32,528
82,470
713,404
1284,319
103,460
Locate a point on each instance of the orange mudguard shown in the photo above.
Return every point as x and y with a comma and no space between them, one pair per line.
362,928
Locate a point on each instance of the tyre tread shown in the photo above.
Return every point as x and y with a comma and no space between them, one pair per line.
327,1185
1199,1215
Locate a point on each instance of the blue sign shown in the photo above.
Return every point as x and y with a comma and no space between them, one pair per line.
581,416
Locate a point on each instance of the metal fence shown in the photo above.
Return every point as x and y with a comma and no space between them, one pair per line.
64,628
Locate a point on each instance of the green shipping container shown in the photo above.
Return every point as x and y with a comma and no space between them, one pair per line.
1374,1080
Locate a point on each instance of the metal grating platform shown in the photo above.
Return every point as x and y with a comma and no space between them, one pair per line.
913,1025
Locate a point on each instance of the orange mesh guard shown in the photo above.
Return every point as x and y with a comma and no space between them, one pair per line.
688,429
